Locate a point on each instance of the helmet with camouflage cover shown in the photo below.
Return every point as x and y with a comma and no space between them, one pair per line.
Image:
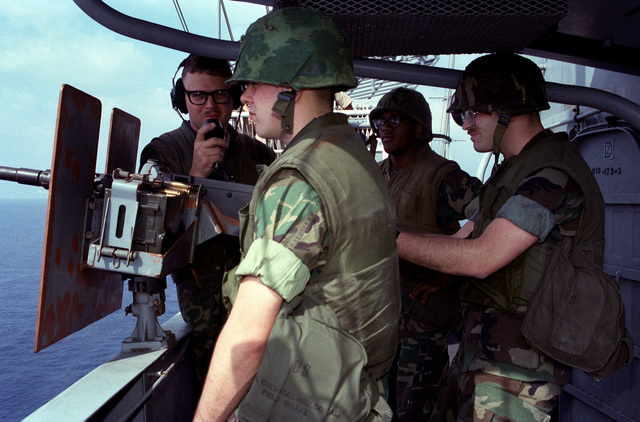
295,47
506,83
502,82
406,101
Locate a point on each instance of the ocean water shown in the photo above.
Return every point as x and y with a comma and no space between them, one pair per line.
27,379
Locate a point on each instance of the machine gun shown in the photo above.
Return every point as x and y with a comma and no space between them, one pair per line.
105,227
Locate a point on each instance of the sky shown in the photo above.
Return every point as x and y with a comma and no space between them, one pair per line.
44,44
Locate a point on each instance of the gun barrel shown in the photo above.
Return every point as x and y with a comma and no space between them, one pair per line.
26,176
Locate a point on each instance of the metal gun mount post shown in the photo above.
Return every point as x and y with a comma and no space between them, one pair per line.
148,303
143,219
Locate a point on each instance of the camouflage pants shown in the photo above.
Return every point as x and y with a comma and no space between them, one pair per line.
479,396
200,306
423,355
422,365
199,288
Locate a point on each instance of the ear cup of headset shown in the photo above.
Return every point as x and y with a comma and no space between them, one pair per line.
178,97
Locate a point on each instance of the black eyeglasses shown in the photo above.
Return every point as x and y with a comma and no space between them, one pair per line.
220,96
392,122
461,116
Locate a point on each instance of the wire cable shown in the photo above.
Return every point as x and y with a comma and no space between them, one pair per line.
183,22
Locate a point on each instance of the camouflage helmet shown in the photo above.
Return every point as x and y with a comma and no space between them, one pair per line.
295,47
406,101
502,82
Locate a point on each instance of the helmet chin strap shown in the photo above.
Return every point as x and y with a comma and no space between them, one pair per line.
284,106
498,133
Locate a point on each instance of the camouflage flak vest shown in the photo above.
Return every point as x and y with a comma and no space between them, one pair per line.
514,284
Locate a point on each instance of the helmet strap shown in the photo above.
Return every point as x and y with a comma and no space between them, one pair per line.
498,133
284,106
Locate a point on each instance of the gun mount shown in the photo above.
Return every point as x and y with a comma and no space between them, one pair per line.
105,228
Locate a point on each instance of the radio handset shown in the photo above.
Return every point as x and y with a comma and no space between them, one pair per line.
218,132
219,170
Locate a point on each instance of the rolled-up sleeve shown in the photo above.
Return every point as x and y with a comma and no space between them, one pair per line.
278,268
290,236
545,199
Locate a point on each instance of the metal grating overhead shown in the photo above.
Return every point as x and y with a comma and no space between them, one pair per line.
411,27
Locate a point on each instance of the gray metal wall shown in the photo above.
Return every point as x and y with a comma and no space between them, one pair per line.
613,153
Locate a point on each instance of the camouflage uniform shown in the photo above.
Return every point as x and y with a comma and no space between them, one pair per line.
430,196
496,374
302,206
291,212
482,386
198,285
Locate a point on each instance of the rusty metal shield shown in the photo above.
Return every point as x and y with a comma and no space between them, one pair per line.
72,297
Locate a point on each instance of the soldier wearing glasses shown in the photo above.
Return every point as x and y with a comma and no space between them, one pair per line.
538,196
431,194
203,94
